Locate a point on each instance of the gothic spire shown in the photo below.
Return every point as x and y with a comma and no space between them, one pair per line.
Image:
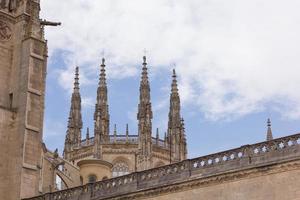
144,117
144,85
101,115
269,131
73,136
175,129
144,109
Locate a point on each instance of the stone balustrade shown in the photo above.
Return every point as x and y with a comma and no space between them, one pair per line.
246,157
123,139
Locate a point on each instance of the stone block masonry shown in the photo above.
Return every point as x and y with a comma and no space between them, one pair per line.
266,170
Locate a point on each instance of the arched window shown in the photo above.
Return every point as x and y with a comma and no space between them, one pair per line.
120,169
92,178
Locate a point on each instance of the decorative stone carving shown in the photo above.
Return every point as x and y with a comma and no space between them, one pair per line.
11,5
5,31
199,172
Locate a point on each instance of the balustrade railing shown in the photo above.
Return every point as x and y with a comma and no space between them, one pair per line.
259,154
122,139
158,142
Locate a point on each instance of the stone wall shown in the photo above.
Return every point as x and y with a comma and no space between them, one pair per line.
267,170
281,185
23,59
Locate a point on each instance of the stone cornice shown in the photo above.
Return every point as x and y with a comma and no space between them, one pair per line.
208,181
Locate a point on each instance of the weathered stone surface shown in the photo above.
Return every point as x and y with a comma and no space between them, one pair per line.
267,170
23,56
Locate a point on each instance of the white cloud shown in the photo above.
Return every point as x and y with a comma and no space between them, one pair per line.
233,57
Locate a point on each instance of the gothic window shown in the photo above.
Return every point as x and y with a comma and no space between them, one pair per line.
92,178
120,169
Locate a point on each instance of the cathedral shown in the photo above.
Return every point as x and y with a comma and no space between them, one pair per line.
111,165
125,152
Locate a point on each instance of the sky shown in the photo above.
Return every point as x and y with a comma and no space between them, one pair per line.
237,63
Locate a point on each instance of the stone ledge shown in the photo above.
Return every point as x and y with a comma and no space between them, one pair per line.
30,167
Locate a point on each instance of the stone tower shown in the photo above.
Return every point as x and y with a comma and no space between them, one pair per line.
23,59
144,117
101,115
73,136
176,135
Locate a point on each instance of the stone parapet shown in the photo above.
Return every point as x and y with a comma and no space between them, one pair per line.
261,156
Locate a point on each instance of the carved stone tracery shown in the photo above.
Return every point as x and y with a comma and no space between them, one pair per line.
5,31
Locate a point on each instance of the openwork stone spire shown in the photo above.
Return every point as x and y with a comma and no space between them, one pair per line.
73,136
175,128
144,117
101,115
269,131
